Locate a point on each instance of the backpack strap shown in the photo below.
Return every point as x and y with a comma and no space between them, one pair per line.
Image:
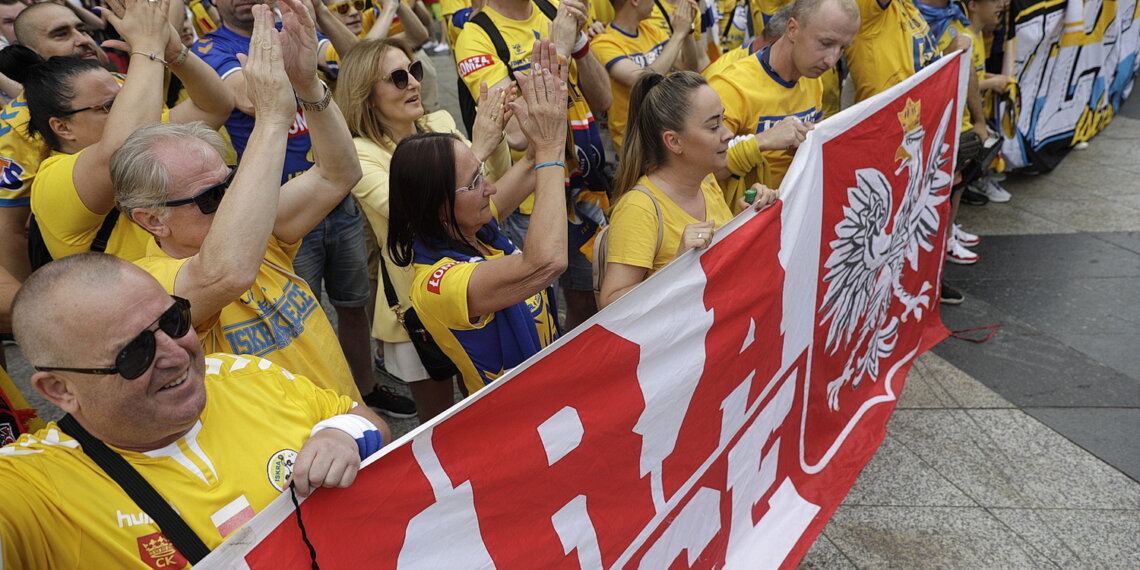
547,8
141,492
657,210
665,15
104,235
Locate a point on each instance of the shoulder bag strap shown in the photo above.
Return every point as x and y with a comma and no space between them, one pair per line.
484,21
104,235
660,220
141,492
547,8
665,14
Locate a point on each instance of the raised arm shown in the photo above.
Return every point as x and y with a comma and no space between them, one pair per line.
508,280
329,24
232,252
627,72
308,198
143,25
565,32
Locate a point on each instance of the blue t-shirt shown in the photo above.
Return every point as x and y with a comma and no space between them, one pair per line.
219,49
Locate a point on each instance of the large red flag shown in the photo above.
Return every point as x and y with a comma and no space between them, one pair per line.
715,416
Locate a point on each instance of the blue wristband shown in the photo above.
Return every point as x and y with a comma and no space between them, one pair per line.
551,163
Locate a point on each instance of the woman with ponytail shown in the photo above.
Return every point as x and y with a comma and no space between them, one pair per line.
675,146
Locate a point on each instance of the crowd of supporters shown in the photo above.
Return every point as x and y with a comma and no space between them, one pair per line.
257,159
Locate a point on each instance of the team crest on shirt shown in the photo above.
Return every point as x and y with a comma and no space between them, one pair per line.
280,467
156,551
10,172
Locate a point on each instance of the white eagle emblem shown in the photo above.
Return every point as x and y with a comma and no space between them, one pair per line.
865,268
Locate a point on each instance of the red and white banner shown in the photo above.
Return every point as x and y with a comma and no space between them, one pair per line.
716,416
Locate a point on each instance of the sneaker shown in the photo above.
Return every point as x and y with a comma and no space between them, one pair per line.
964,237
429,45
957,253
992,190
439,48
950,295
384,400
971,197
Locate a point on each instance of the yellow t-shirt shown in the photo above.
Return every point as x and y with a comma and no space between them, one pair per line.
756,98
485,350
726,59
643,46
634,223
734,23
893,43
278,318
60,510
763,10
20,155
660,18
977,57
68,227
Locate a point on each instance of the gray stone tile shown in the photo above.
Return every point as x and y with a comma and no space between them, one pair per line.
1007,219
1032,369
935,383
1065,305
1048,257
931,537
1125,240
896,476
1005,458
1117,351
1109,433
824,555
1078,538
1085,211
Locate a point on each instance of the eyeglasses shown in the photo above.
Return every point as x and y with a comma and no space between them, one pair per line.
137,356
105,106
476,181
208,199
399,77
342,7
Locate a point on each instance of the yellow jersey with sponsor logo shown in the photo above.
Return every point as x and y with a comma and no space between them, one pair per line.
60,510
893,43
278,318
66,224
484,348
641,46
977,57
634,223
756,98
20,155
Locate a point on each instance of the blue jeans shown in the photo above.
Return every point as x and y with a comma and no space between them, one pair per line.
334,253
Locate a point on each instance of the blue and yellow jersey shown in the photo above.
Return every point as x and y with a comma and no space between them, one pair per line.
763,10
893,43
977,57
61,510
726,59
486,347
756,98
20,155
278,318
641,46
659,17
735,24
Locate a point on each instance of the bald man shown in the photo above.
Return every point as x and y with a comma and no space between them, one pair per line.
218,437
51,29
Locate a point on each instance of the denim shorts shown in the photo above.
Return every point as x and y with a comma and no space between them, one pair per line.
334,253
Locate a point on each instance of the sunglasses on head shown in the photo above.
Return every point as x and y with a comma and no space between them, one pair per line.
105,106
342,7
137,356
399,77
209,198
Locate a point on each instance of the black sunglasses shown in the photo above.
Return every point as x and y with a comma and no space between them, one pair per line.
399,77
138,355
208,199
105,106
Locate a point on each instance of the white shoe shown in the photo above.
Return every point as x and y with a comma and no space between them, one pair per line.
992,190
957,253
428,45
964,237
440,47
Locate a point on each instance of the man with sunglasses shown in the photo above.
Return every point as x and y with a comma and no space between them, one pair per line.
333,255
233,257
218,437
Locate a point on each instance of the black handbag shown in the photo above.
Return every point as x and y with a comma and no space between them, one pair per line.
437,364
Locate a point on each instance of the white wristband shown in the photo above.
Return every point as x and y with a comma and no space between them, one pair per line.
583,39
